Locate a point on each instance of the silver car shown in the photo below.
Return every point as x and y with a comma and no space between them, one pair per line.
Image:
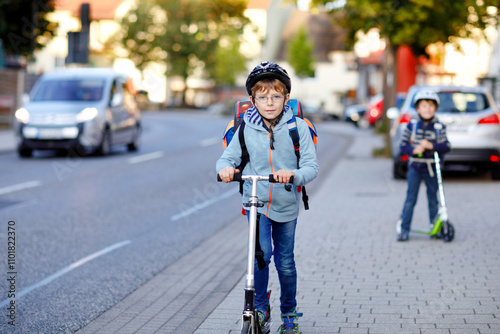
87,110
473,127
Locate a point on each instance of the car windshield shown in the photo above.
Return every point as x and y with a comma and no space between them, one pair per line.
461,102
70,90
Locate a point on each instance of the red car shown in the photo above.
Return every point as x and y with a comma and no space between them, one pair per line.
374,110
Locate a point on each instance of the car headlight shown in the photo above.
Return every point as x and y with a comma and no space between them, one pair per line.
86,114
22,115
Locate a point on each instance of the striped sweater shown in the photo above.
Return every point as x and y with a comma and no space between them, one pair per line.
417,130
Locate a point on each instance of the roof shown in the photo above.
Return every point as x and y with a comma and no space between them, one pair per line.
99,9
374,58
325,36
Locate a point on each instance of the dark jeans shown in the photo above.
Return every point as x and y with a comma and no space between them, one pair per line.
414,178
282,237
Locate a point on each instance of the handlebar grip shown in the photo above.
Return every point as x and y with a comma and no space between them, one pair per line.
272,180
237,177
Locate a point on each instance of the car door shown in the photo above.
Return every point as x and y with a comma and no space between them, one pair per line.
119,113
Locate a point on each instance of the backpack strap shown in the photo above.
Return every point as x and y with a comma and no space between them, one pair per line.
245,157
414,122
294,134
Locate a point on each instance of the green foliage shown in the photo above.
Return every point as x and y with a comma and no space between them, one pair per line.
24,27
416,23
300,54
229,61
185,34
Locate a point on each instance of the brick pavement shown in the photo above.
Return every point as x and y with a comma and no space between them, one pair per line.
353,276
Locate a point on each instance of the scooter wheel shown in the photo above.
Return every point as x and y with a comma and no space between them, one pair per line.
246,328
450,235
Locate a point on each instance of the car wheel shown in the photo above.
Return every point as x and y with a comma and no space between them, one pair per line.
105,146
136,140
25,152
399,170
495,173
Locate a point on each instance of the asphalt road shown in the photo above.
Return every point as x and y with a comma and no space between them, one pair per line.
90,230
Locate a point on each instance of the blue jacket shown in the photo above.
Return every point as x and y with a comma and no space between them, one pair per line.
433,131
279,205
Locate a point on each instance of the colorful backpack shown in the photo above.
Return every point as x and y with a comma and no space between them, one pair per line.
240,109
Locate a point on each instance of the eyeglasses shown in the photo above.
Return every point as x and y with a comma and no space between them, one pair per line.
274,98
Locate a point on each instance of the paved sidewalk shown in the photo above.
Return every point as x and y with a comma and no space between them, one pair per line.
353,276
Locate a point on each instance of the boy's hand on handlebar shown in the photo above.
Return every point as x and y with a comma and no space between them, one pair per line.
418,150
227,174
426,144
283,176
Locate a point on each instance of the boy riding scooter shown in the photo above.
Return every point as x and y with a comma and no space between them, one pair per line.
271,151
421,138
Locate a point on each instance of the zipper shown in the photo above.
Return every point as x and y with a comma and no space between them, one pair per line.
271,188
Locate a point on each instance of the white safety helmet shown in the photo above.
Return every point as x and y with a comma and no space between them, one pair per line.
426,94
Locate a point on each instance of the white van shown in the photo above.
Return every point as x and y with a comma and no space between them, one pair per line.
86,109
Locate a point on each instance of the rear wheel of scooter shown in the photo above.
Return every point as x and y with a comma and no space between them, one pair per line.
447,237
246,329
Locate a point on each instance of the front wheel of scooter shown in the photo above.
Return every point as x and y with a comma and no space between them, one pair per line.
247,327
447,237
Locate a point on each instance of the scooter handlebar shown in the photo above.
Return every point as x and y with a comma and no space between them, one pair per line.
239,177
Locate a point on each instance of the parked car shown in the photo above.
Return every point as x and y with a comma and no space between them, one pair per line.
354,113
473,128
374,109
86,109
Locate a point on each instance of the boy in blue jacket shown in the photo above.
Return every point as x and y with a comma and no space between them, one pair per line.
420,139
271,151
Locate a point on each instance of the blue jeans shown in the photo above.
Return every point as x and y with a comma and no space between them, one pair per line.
414,178
282,236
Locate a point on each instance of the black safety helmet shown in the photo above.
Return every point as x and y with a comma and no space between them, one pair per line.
266,70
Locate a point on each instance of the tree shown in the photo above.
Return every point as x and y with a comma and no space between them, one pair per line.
300,54
185,34
415,23
24,27
228,61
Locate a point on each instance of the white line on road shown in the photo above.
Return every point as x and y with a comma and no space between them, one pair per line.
145,157
200,206
66,270
210,141
20,186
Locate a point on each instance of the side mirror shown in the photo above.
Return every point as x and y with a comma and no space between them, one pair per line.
117,100
392,113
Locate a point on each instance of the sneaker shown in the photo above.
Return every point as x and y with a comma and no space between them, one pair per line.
290,326
404,235
264,317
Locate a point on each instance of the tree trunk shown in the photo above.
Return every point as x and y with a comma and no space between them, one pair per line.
389,89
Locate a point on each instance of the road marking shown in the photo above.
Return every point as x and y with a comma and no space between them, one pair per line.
66,270
20,186
210,141
200,206
145,157
19,205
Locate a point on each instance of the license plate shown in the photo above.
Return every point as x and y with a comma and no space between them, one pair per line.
48,133
458,128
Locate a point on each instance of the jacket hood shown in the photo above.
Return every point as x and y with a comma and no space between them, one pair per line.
253,118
